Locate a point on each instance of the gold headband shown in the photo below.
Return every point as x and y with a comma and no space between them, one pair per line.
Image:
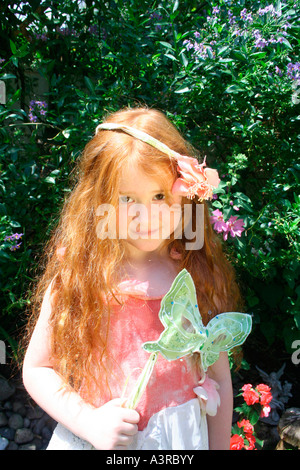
139,135
194,180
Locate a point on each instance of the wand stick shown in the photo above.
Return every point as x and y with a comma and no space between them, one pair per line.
142,382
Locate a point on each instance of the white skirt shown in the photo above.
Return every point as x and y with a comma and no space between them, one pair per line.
181,427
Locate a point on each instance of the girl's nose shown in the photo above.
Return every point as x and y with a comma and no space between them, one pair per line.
146,214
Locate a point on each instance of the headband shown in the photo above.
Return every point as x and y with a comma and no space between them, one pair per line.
194,180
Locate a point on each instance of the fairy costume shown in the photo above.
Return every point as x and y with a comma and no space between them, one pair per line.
176,399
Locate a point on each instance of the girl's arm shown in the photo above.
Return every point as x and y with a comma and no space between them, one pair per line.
107,427
219,426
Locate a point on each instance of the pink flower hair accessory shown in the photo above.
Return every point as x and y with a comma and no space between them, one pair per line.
194,180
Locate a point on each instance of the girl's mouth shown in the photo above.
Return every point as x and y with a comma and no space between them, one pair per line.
145,233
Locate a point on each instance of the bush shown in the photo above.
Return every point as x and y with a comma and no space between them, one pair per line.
226,73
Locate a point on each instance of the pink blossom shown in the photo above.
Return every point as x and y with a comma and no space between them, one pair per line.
265,411
218,221
235,227
208,396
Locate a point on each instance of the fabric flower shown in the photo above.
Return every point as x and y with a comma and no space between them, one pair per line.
195,179
208,396
236,442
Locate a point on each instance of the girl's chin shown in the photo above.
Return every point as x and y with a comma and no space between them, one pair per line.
140,245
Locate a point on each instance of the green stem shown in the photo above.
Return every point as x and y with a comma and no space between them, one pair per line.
142,382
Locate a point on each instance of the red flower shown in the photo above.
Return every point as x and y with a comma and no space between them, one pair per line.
265,394
248,428
251,439
236,442
250,395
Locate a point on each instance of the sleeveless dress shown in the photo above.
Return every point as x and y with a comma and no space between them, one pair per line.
170,414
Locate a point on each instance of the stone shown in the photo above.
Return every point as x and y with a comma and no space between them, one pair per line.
19,408
12,446
8,433
23,436
3,443
28,447
35,413
6,389
16,421
3,419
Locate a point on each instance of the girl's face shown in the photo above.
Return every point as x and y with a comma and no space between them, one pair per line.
144,217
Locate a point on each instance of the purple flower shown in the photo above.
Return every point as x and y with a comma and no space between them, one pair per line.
37,106
261,43
293,71
244,13
42,37
93,29
269,9
15,247
278,71
15,236
216,10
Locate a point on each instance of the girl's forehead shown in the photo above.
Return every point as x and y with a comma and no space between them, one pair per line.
136,177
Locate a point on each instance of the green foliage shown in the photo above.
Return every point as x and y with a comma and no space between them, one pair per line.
226,73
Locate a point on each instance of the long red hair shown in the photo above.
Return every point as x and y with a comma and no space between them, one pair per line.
84,275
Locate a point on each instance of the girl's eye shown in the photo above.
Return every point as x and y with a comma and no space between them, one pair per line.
125,199
159,196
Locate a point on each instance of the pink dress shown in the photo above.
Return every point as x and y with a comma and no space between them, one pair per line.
170,414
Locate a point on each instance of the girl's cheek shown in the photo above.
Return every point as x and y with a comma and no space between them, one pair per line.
122,221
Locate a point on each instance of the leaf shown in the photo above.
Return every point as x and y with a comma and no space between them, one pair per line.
12,46
286,42
6,76
170,56
222,49
233,89
184,59
50,180
183,90
89,85
176,5
166,44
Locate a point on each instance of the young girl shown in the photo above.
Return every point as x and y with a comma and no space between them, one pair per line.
111,260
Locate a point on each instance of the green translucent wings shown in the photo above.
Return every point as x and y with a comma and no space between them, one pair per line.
184,332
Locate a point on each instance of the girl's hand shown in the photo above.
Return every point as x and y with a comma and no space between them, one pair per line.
111,427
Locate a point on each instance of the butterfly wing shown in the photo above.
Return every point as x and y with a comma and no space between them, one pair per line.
181,318
224,332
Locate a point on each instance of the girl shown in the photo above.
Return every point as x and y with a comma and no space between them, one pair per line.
113,257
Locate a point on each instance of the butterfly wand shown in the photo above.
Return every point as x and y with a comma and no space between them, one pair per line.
185,334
